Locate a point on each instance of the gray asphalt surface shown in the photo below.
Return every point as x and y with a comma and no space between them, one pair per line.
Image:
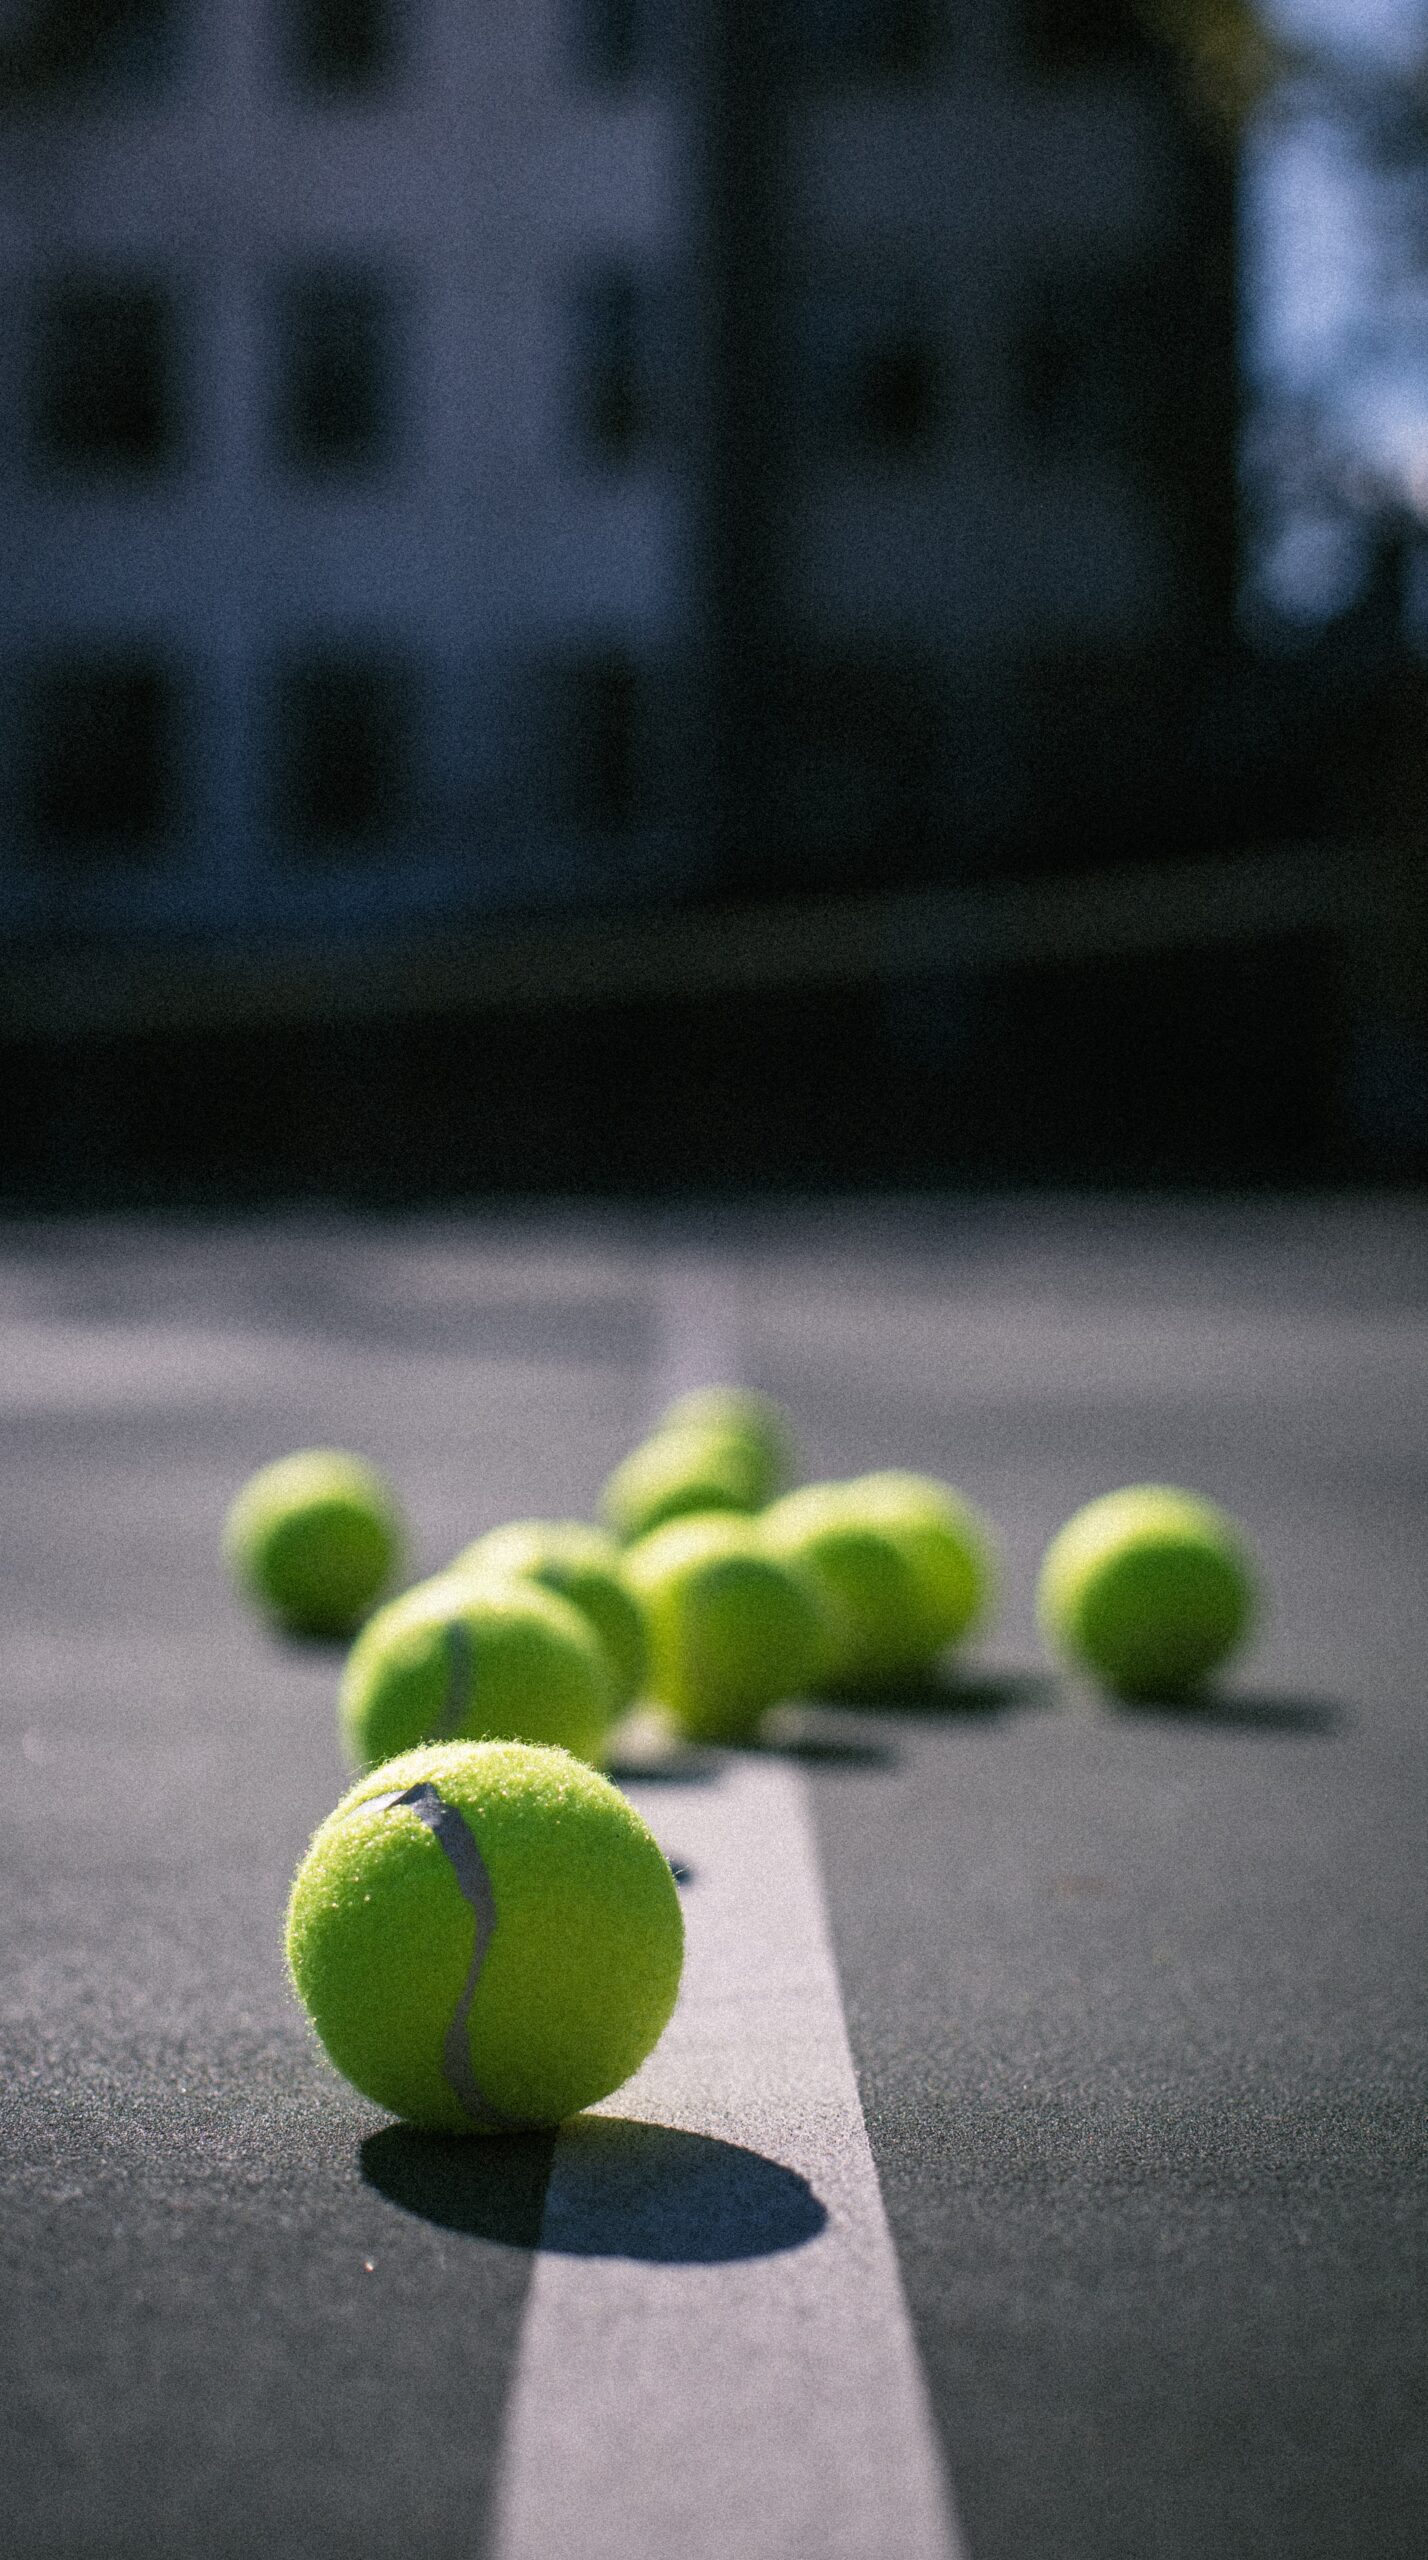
1137,2001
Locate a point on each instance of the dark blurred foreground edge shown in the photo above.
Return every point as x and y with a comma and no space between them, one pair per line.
1249,1062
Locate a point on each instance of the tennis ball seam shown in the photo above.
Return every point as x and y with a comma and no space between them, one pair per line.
461,1849
579,1977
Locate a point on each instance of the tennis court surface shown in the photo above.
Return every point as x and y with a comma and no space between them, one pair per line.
1038,2161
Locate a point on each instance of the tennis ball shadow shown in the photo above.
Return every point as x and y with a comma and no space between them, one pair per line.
491,2186
647,1744
1240,1712
813,1729
952,1693
678,1767
626,2190
303,1645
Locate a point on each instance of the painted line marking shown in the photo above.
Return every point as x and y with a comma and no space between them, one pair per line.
716,2359
697,1330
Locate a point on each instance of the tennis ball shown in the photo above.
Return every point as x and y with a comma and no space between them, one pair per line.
732,1629
486,1936
690,1469
753,1418
456,1658
1149,1589
879,1628
315,1539
581,1565
947,1543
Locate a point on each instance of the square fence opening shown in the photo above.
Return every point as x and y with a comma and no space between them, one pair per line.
875,374
1083,361
335,369
616,386
834,40
340,46
1070,36
104,382
343,751
599,761
863,758
615,41
83,48
99,756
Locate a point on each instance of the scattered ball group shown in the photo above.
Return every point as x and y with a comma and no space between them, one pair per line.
484,1933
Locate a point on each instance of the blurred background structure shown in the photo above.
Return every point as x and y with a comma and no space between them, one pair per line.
599,593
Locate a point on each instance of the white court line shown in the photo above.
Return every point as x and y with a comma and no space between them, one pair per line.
698,1336
760,2407
716,2361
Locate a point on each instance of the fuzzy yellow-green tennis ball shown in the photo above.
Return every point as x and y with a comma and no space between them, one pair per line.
947,1543
456,1658
583,1566
1150,1589
692,1468
486,1936
315,1539
731,1629
880,1628
753,1418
